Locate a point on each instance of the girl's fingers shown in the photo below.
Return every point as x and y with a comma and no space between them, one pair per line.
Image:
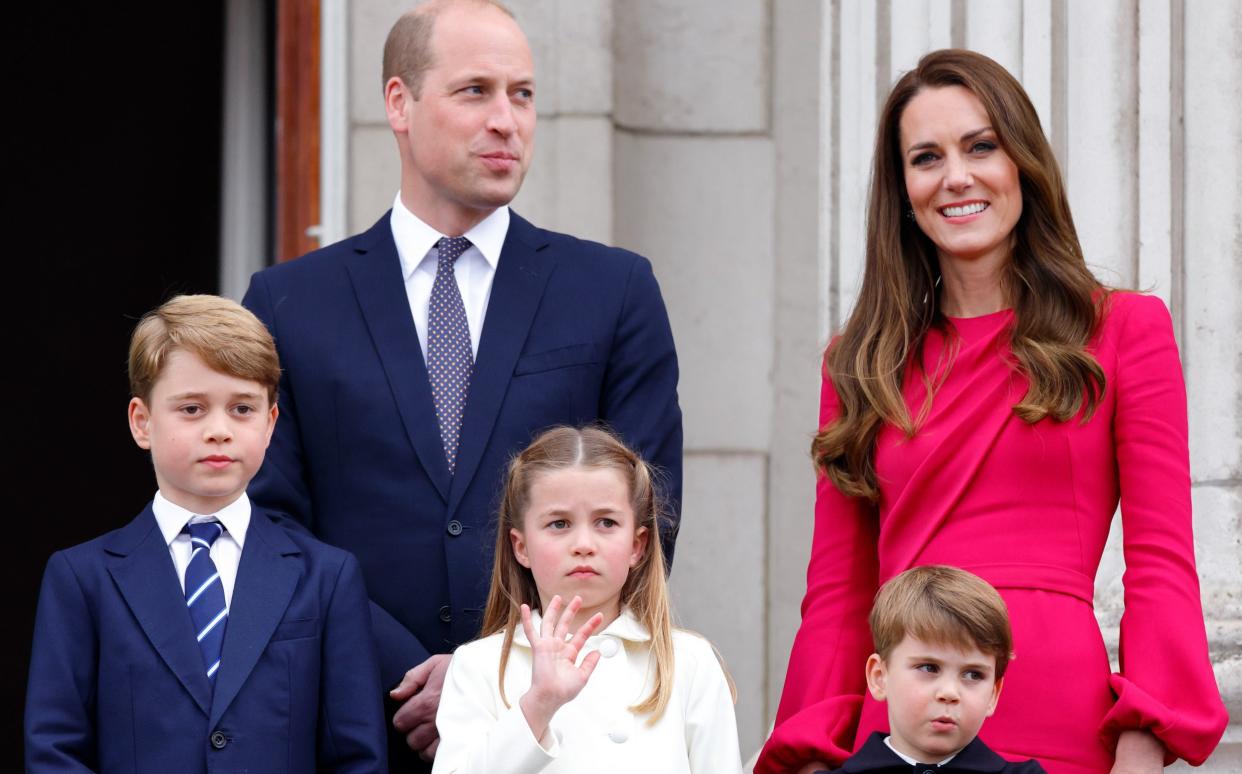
527,626
588,665
562,625
550,616
586,630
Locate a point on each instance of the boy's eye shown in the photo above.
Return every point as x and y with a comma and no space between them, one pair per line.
191,410
243,409
973,675
931,669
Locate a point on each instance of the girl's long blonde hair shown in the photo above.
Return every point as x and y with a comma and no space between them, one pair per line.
645,591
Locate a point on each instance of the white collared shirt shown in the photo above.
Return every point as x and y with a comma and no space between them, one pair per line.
225,552
910,760
474,270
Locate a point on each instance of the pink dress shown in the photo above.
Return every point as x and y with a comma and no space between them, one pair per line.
1026,507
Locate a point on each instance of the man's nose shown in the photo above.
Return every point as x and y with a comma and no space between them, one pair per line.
500,118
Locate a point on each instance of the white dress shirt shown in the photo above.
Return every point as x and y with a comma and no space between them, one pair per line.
596,732
474,270
910,760
225,552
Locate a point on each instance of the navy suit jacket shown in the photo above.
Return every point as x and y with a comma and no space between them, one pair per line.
574,332
974,758
117,681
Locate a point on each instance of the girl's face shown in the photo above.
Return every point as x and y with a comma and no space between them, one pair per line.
579,538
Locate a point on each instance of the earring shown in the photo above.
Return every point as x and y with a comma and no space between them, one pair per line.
910,213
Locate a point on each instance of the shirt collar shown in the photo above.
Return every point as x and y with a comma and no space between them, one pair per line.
172,518
415,238
625,627
910,760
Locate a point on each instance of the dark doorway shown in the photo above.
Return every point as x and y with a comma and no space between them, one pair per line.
112,182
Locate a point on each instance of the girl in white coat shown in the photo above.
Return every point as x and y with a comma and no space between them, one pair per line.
626,693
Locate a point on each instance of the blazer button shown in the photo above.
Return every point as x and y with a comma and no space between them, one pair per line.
446,614
219,740
454,527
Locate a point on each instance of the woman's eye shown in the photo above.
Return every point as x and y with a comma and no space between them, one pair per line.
983,146
923,159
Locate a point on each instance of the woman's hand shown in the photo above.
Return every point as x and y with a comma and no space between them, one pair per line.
1138,752
555,678
813,767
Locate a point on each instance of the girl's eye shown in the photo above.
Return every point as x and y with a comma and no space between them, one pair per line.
558,524
607,523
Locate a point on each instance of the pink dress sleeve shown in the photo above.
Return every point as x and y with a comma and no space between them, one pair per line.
1165,685
819,710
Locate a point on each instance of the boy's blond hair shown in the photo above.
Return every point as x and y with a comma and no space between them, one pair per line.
226,335
944,605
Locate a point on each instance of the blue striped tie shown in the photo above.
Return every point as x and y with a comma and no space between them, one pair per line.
204,594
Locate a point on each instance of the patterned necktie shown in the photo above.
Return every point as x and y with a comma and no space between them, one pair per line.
449,356
204,594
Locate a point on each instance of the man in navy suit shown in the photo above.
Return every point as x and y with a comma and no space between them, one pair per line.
372,453
205,635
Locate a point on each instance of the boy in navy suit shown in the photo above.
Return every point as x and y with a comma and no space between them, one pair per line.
204,635
942,642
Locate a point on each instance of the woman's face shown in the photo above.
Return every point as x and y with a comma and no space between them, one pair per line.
963,187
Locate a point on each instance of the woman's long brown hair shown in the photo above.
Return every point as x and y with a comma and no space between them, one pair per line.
645,591
1056,300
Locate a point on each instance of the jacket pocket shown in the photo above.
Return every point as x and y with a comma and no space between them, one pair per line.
552,359
296,629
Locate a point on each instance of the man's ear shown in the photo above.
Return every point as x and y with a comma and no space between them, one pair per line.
877,677
519,548
140,423
397,101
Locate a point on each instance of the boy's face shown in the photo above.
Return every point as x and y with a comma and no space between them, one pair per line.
938,696
207,432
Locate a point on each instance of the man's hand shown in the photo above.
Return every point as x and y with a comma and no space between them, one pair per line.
416,718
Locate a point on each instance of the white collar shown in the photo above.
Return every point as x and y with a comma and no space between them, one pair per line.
625,627
415,238
172,518
910,760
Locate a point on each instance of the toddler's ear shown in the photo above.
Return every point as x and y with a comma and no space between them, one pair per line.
996,691
140,423
877,677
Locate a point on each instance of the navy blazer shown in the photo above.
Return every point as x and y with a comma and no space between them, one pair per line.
574,332
117,681
975,758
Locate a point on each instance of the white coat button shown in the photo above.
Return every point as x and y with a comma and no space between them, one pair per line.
619,735
608,647
621,726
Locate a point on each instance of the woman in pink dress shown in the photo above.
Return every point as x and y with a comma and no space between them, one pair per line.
987,405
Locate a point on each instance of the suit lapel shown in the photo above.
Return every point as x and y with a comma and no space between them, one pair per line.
266,580
148,581
521,275
375,271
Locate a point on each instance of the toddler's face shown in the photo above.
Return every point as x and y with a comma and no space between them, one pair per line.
938,696
580,538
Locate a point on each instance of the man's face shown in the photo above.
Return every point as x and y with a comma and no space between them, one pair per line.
938,696
469,136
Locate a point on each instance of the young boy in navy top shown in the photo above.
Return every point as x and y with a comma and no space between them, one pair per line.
942,642
205,635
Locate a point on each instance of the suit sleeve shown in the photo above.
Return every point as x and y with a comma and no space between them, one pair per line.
281,485
817,718
640,389
353,732
60,694
1165,685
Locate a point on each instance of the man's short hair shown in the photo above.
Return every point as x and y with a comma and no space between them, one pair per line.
226,335
407,51
943,605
